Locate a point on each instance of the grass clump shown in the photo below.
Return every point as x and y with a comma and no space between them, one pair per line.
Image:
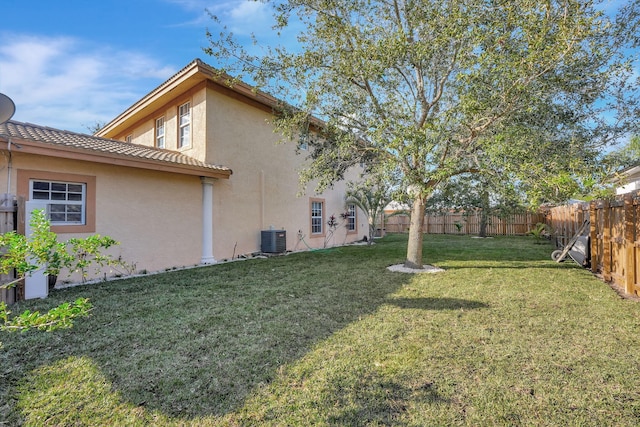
504,336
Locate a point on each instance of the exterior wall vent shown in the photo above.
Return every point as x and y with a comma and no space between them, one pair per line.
273,241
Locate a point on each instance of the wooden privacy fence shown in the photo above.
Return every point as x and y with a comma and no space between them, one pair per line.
8,219
614,236
468,223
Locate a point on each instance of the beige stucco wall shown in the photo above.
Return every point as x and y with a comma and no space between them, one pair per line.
263,190
143,132
155,216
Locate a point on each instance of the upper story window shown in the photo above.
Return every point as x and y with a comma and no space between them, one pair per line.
160,132
128,138
67,200
184,125
351,217
317,217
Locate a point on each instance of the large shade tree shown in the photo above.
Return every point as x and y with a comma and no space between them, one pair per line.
437,89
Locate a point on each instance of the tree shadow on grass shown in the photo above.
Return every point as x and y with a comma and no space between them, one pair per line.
199,343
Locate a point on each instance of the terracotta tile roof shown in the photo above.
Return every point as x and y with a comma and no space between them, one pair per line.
93,144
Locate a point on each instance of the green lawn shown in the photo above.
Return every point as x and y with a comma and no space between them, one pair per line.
504,336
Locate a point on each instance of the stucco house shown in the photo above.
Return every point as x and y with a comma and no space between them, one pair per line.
628,180
192,173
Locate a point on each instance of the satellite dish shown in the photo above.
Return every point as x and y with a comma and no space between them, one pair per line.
7,108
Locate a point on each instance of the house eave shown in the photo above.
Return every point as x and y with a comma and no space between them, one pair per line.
27,146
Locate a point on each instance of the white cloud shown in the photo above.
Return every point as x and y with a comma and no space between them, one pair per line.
242,17
250,17
67,83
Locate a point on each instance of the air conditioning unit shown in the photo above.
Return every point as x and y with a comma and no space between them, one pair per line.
273,241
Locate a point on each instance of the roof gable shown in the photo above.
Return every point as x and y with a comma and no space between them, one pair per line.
196,72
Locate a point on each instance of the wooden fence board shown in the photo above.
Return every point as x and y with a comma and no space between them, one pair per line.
468,223
7,223
614,237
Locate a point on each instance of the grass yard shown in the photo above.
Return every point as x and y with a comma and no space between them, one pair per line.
504,336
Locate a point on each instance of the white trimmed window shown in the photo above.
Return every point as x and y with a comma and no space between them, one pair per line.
67,200
128,138
184,125
351,217
317,217
160,132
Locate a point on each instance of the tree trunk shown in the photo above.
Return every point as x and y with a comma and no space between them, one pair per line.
484,213
372,232
414,247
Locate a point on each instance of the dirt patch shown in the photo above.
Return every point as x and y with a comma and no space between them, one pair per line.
425,269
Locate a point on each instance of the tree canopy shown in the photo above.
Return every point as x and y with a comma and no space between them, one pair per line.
526,89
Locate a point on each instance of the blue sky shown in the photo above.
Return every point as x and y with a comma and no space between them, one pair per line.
71,63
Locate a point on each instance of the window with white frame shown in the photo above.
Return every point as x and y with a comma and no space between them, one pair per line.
160,132
128,138
67,200
351,217
317,217
184,125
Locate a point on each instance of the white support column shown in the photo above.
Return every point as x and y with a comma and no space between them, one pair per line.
207,221
35,284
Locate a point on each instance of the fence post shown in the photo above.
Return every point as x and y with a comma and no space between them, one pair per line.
629,245
606,241
593,236
6,225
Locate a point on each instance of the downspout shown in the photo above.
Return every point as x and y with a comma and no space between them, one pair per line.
262,227
9,166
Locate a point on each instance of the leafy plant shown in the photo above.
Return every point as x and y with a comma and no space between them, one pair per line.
371,198
88,251
539,232
60,317
41,249
332,226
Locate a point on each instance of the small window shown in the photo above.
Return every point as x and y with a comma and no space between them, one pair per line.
67,200
128,138
351,217
160,132
317,217
184,125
